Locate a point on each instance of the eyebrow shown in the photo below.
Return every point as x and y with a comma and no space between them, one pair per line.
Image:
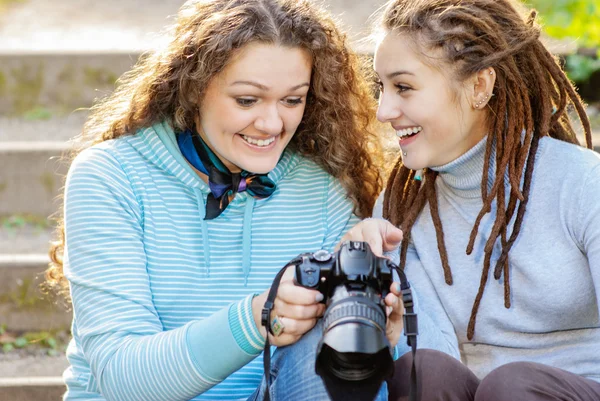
265,88
401,72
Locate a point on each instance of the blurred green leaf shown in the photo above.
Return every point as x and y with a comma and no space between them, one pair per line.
51,341
575,19
38,113
580,68
20,342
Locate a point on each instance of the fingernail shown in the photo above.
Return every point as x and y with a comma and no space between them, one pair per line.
319,297
397,287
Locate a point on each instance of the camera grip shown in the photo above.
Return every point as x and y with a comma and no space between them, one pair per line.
307,275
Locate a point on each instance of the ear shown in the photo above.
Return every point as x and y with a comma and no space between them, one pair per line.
482,87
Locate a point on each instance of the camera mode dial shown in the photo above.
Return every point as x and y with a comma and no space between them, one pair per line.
322,256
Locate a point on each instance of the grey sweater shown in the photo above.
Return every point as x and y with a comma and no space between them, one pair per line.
554,267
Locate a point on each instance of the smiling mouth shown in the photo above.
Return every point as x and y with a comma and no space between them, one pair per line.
258,142
408,132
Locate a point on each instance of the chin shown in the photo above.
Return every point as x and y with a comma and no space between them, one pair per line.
260,168
413,164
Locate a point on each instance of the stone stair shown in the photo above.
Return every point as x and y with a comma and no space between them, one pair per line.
30,388
56,58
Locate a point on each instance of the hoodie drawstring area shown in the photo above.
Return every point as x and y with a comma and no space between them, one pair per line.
202,212
246,234
247,238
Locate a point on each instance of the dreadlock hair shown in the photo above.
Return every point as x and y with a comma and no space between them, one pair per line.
531,98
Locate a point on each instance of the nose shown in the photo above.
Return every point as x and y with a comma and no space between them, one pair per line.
270,121
388,110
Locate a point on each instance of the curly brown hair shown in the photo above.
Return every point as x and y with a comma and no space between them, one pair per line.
337,131
531,97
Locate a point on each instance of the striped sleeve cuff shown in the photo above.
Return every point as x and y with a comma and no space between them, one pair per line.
243,328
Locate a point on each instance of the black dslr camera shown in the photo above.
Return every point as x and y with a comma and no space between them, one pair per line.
354,356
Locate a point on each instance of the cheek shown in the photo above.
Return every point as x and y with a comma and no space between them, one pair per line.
292,118
440,116
234,120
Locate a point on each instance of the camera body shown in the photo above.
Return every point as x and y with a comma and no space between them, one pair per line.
354,353
354,265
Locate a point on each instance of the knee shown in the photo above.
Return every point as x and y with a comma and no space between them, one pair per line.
440,376
430,363
302,353
509,382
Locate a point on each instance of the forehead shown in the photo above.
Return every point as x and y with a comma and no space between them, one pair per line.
398,52
268,64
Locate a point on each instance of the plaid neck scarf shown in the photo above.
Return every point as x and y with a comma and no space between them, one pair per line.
224,184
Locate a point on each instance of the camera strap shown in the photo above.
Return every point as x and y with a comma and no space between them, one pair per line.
409,318
411,329
265,318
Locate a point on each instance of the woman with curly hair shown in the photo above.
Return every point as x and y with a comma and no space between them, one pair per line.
245,142
491,181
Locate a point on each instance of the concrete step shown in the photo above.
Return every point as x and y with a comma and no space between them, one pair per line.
23,306
118,25
25,235
43,128
41,84
31,377
84,25
31,176
32,389
19,364
32,170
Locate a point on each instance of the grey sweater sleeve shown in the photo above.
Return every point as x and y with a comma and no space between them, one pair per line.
588,234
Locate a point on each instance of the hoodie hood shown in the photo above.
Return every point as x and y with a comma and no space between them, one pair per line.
163,151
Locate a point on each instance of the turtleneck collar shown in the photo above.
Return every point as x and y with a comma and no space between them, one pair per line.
463,175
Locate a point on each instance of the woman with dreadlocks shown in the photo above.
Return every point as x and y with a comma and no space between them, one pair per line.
491,181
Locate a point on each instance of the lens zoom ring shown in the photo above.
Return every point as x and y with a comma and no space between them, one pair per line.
348,309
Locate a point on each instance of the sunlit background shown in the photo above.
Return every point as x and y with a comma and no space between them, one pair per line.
56,57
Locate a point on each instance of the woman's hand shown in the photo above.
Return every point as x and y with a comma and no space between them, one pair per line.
395,312
380,234
296,307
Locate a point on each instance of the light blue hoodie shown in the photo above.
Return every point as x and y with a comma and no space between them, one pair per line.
161,297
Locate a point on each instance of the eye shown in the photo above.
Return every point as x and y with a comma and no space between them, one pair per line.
245,102
293,101
402,88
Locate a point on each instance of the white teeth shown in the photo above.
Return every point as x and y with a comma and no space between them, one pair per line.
259,142
408,131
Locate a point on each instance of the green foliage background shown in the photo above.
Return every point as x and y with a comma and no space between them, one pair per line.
578,20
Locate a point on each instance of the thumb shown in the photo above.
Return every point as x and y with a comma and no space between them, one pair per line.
392,236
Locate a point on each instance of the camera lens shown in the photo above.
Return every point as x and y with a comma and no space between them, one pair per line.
353,366
354,352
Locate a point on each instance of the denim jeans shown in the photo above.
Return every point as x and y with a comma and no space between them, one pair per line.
293,376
